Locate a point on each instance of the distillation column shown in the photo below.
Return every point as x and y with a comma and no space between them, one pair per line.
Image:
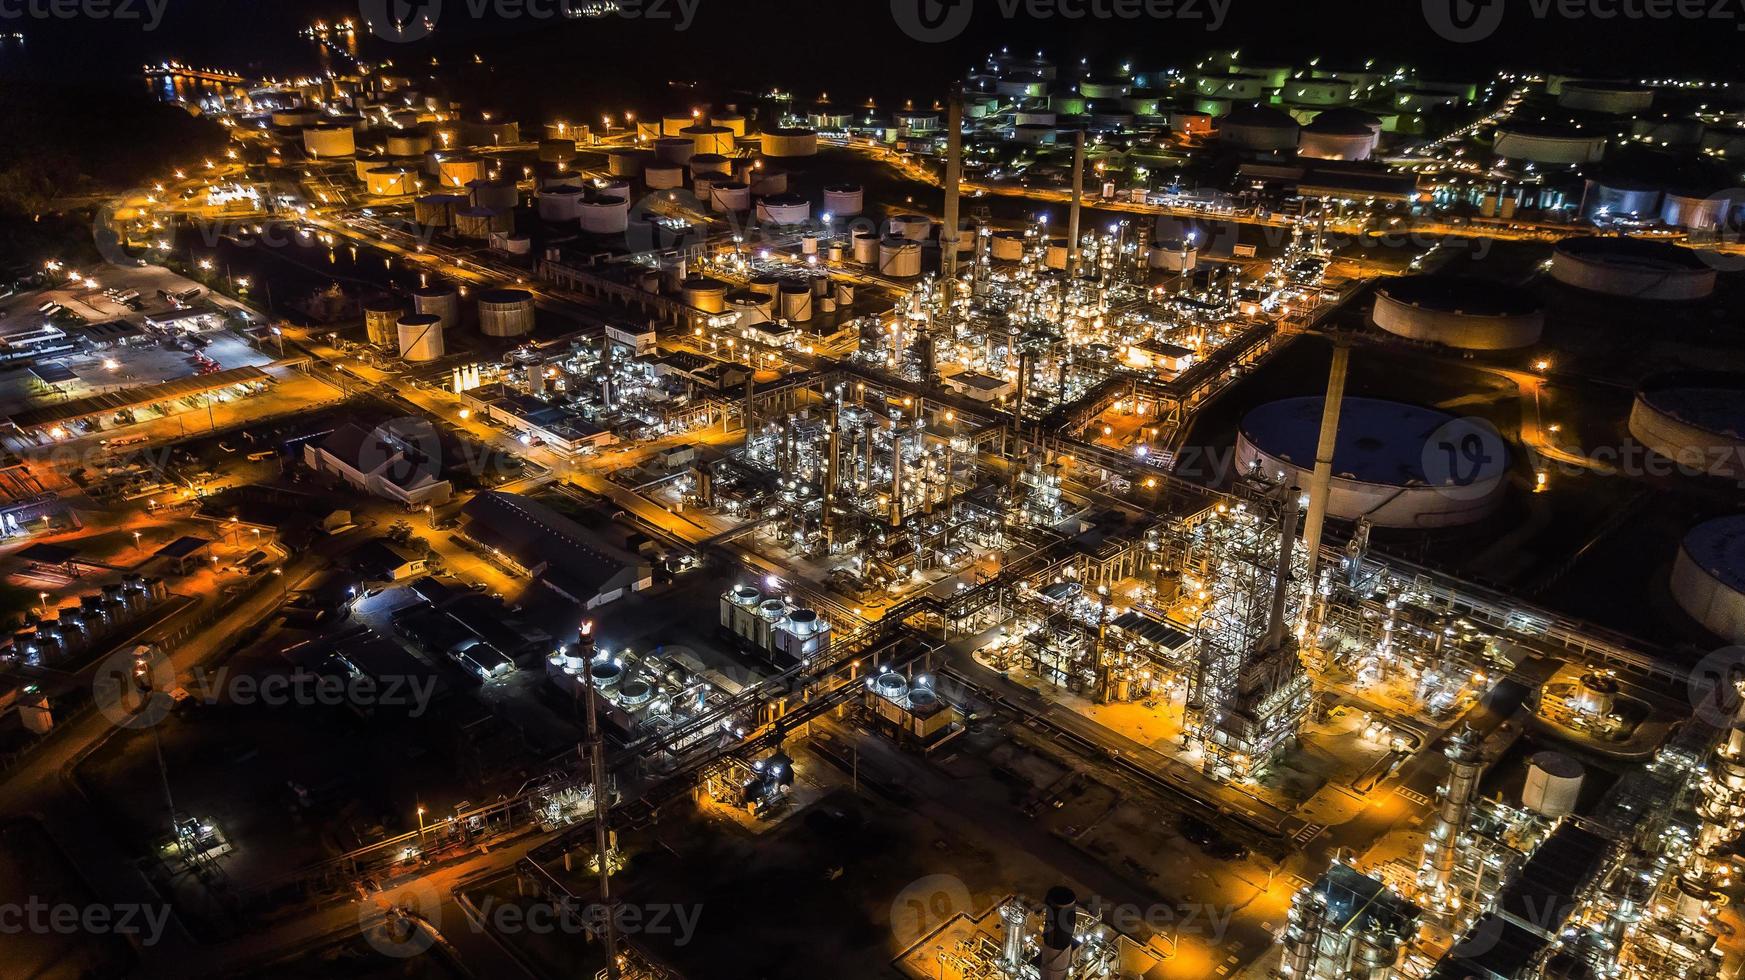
1464,764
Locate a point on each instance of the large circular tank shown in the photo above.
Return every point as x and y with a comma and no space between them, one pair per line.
459,171
327,142
1471,314
844,200
1035,117
1142,104
408,144
900,258
1317,91
559,151
866,247
1553,784
733,122
672,123
626,161
784,209
1333,140
1387,461
476,222
709,139
503,195
1232,85
703,186
380,315
703,293
1104,88
765,181
674,149
731,195
1259,128
1694,419
607,214
1190,123
1613,98
437,210
420,336
710,163
1669,130
918,121
1424,100
391,181
439,301
560,203
914,227
1696,211
1632,267
1034,133
1618,197
1007,245
790,141
505,312
1708,576
795,301
1056,254
1063,103
1549,143
1173,255
663,176
295,118
1725,141
489,132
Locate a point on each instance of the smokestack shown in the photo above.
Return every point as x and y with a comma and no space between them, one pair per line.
1321,479
896,477
1287,540
1059,917
953,178
832,474
1078,198
602,799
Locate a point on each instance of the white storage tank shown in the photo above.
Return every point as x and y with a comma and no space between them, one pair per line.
459,171
560,203
1317,91
607,214
1696,419
1333,139
420,337
1459,312
844,200
503,195
1553,784
730,196
437,210
476,222
1259,128
1055,255
1234,86
442,302
505,312
710,163
1104,88
914,227
1035,117
1549,143
790,141
673,123
1634,268
703,186
1708,576
1613,197
1612,98
733,122
1386,464
704,293
625,161
1033,134
295,118
674,149
1173,255
709,139
391,181
663,176
796,301
899,258
380,315
1007,245
866,247
408,144
765,181
1696,212
784,209
328,142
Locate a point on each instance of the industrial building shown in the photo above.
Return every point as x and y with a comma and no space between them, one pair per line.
561,554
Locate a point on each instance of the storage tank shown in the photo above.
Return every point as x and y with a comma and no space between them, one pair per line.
560,203
1612,98
442,302
503,195
1055,254
866,247
1614,197
1387,465
1233,85
1173,255
505,312
459,171
1059,104
729,196
899,258
914,227
1259,128
1007,245
1104,88
328,142
704,293
784,209
1708,576
1696,211
604,215
765,181
380,315
733,122
408,144
1035,135
1317,91
663,176
295,118
559,151
1548,143
624,161
1553,784
710,163
674,149
391,181
1634,268
1725,141
796,301
709,139
1035,117
703,186
1330,137
790,141
437,210
420,337
1696,419
844,200
476,222
1465,313
1669,130
674,123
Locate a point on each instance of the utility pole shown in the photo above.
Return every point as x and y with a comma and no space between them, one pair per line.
602,802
